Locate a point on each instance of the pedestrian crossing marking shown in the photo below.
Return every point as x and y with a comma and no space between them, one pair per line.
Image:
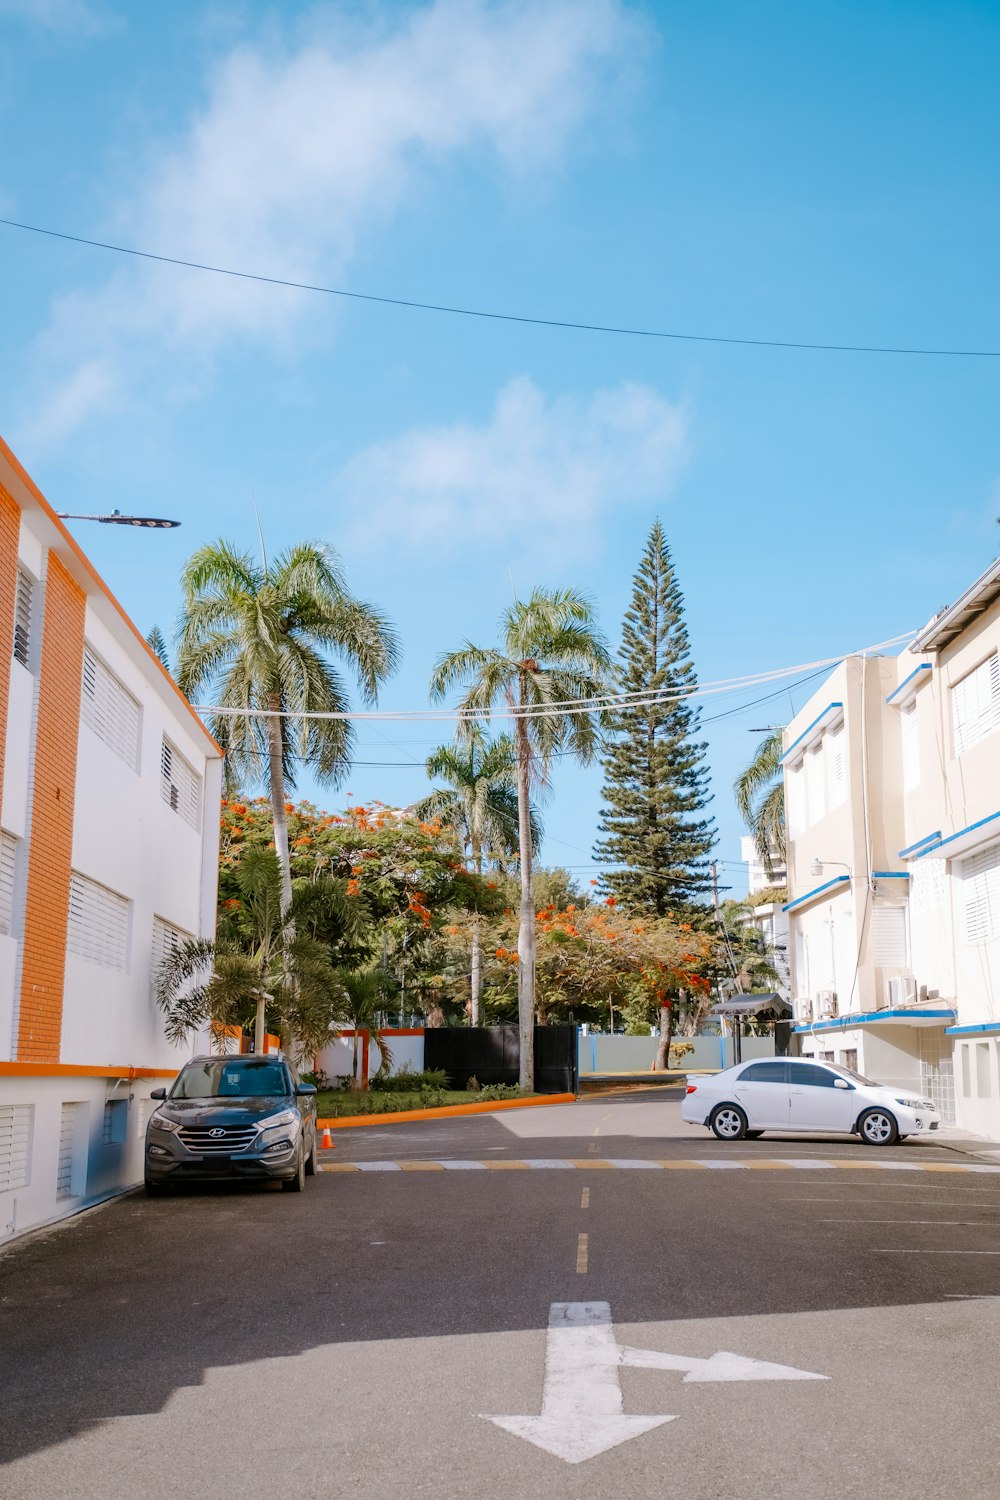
620,1164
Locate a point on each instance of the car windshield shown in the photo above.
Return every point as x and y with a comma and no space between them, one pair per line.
854,1077
232,1078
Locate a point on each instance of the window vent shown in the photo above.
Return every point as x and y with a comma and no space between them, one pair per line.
166,940
8,854
180,785
975,704
110,710
15,1142
22,618
980,889
68,1117
98,924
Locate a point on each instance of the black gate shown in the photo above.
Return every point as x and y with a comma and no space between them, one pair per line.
491,1054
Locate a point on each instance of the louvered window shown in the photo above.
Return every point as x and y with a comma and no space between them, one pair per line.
979,888
15,1145
68,1118
110,710
22,618
8,854
975,704
98,924
889,934
180,785
166,940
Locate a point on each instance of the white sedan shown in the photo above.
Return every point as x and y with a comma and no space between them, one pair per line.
787,1093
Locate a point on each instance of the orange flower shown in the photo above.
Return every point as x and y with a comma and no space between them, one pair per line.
233,903
611,901
353,887
289,807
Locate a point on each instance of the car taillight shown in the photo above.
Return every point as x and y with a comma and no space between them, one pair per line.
692,1088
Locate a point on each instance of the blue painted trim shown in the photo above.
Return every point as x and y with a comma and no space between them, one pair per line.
872,1018
808,730
890,874
943,844
811,895
980,1030
928,838
926,667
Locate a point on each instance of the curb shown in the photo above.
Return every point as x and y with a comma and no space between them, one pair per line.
442,1112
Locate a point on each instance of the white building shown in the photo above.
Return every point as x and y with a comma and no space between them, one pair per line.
769,917
892,796
109,825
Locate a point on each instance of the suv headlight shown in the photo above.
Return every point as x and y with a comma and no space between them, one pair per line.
161,1122
286,1117
911,1103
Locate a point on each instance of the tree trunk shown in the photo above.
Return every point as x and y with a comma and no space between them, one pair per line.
666,1037
280,817
477,950
526,922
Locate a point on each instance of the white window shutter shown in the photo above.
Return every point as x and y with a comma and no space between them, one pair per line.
23,594
109,709
98,924
166,940
889,935
15,1145
980,894
8,856
180,785
975,705
68,1118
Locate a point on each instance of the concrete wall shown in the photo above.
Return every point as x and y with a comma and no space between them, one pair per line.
636,1054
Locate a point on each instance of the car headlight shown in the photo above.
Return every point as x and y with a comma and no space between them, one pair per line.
911,1103
161,1122
286,1117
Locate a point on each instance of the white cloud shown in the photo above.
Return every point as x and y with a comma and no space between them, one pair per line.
541,471
303,147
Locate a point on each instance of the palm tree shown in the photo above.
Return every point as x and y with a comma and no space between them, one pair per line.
263,956
480,804
259,636
363,1001
550,653
760,797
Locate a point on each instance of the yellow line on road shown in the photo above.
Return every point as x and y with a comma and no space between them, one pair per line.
585,1198
581,1255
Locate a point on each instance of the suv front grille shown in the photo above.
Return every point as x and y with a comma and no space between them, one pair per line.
202,1140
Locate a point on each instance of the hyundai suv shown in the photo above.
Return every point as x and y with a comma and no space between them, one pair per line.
227,1117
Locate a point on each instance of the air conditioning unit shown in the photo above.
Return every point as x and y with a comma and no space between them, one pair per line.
803,1011
901,989
826,1004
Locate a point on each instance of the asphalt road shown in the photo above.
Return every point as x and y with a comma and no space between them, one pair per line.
356,1339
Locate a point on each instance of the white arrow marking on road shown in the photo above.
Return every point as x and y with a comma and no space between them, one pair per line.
582,1410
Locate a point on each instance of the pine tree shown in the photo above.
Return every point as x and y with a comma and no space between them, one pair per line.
158,645
655,776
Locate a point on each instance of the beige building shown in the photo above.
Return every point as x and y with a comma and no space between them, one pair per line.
892,796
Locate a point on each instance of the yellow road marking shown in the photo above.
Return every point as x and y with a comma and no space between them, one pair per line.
420,1166
507,1166
585,1198
581,1255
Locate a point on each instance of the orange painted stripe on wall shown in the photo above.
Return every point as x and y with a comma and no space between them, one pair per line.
10,529
50,849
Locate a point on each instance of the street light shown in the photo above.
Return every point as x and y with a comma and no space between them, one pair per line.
818,865
117,519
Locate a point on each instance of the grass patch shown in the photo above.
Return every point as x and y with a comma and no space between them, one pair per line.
336,1103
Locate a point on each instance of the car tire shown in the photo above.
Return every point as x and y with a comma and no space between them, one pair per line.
297,1183
753,1135
877,1127
154,1189
727,1122
311,1160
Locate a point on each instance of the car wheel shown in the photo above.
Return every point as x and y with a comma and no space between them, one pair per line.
877,1127
753,1135
154,1189
297,1183
311,1160
728,1122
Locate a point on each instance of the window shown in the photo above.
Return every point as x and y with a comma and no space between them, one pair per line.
69,1118
98,924
8,853
979,893
110,710
166,940
984,1082
795,800
889,936
808,1075
22,617
927,885
850,1059
966,1070
15,1145
115,1122
180,785
975,704
838,776
766,1072
911,751
815,792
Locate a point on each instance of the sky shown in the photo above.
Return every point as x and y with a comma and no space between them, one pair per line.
824,173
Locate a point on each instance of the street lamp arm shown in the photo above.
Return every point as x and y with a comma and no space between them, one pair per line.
117,519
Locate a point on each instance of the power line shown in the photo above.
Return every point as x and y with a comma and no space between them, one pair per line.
502,317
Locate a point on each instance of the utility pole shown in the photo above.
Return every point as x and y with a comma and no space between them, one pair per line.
715,888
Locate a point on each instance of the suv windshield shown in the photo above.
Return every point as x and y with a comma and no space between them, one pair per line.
232,1078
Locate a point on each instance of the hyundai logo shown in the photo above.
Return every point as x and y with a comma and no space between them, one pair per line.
216,1132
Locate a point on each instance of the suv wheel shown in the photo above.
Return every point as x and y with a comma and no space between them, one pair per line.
297,1183
311,1159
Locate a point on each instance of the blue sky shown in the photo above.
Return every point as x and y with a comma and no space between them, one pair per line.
825,172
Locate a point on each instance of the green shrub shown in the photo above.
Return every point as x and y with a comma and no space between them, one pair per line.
502,1091
406,1082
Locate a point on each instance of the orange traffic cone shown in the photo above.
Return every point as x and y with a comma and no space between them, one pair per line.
328,1140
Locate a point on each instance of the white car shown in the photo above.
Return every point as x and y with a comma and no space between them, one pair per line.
787,1093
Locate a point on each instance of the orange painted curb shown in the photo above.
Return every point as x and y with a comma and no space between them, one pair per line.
443,1111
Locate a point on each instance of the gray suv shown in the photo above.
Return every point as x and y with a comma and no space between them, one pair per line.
227,1117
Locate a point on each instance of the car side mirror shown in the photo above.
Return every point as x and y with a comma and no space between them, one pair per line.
842,1083
305,1088
157,1093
